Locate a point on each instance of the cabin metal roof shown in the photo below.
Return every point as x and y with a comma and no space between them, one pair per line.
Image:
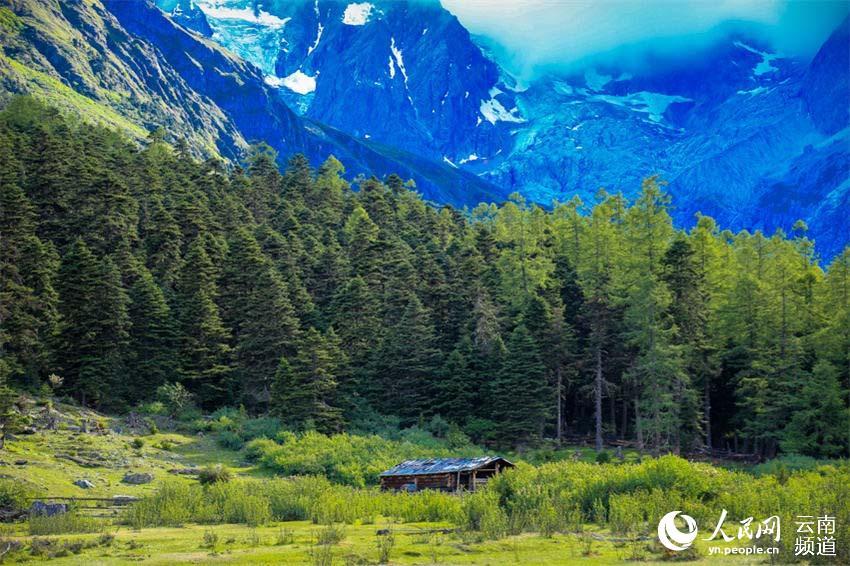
441,466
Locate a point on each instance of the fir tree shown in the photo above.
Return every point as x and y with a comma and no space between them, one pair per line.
259,314
521,393
304,390
152,352
205,352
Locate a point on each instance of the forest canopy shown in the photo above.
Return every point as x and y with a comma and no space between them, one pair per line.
124,269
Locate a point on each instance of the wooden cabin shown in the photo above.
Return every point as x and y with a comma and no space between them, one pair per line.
445,474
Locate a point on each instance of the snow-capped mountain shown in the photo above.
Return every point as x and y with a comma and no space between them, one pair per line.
750,136
731,128
402,73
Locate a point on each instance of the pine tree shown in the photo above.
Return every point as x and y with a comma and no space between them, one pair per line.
454,393
205,352
262,196
10,418
27,297
689,311
820,422
405,364
94,326
658,372
521,393
304,390
256,307
152,348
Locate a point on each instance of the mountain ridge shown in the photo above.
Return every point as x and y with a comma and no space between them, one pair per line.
403,87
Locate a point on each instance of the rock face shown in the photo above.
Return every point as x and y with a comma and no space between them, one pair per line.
128,65
137,478
84,484
401,73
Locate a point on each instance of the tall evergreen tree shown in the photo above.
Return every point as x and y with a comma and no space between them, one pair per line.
205,351
304,392
259,314
152,352
94,326
521,393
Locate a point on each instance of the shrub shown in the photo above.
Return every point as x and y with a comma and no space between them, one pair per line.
385,543
175,397
331,534
214,474
13,495
265,427
154,408
348,459
137,443
64,523
210,539
230,440
284,537
256,448
603,457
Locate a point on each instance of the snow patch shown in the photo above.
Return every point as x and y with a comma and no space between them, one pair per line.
493,110
449,161
298,82
357,14
753,92
764,66
320,30
392,68
652,103
472,157
243,14
398,59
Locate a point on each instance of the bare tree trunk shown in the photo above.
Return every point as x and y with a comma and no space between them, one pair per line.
560,402
597,393
624,420
613,415
706,409
638,424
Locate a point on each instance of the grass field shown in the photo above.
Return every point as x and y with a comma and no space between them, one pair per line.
296,543
557,507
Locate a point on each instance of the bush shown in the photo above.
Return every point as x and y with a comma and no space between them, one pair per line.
64,523
264,427
255,449
348,459
603,457
137,443
214,474
13,495
175,397
230,440
155,408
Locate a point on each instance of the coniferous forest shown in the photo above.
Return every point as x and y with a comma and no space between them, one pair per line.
324,302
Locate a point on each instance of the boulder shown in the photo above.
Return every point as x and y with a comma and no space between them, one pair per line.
138,478
84,484
40,508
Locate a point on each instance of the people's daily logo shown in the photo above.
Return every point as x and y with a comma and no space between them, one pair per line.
670,535
749,536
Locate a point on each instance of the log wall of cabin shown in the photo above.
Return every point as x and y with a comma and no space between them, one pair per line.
430,481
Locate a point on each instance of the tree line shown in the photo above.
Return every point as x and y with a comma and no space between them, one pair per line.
290,292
